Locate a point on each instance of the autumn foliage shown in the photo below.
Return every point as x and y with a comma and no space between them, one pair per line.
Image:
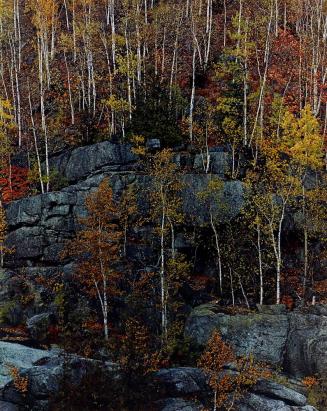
226,100
96,249
14,183
229,385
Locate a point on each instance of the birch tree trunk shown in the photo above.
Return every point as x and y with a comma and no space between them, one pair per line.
218,252
36,143
162,276
260,262
305,234
163,285
192,96
72,111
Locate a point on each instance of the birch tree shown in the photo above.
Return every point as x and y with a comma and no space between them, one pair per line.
166,212
304,144
96,248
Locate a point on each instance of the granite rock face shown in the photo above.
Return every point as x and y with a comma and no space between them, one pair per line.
18,356
183,388
39,226
77,164
177,404
7,406
181,384
38,230
45,372
38,326
226,207
279,392
263,335
181,381
295,341
219,162
306,347
254,402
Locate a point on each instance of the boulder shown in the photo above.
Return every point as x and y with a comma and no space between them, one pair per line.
255,402
228,206
177,404
178,385
153,144
219,163
46,372
306,346
27,242
79,163
263,335
7,406
26,211
181,381
297,341
18,356
277,391
38,326
10,310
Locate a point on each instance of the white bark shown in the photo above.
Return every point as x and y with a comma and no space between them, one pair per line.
218,252
36,144
232,285
263,79
72,111
162,274
192,96
260,262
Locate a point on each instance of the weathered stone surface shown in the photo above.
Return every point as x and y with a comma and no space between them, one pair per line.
54,223
306,348
153,144
177,385
181,381
254,402
38,326
26,211
277,391
230,204
177,404
17,356
10,311
219,163
297,341
79,163
7,406
263,335
45,380
27,242
272,309
45,371
40,226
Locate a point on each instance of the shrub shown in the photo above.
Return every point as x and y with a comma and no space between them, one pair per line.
317,392
8,313
229,387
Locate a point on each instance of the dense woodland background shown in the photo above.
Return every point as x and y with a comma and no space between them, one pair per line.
248,78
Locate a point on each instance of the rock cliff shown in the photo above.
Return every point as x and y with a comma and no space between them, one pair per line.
39,227
295,341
